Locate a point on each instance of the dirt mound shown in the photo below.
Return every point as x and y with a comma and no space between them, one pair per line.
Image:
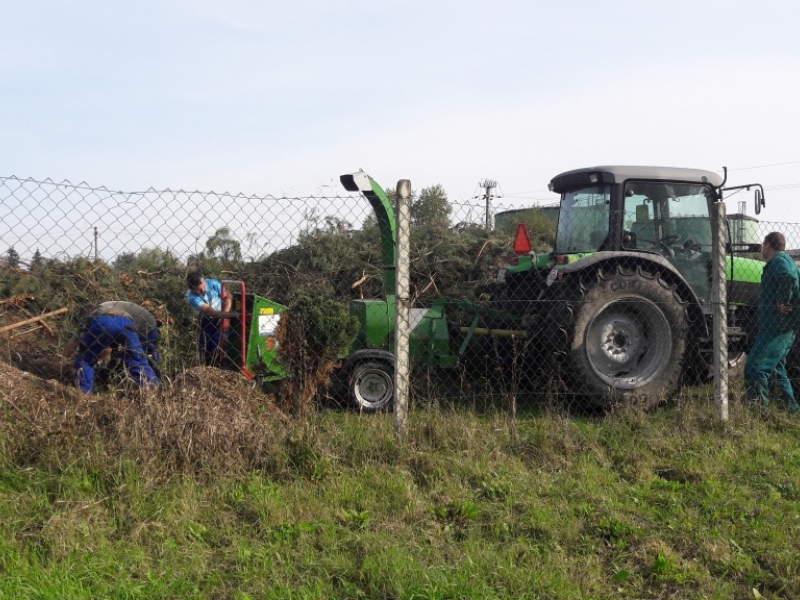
221,384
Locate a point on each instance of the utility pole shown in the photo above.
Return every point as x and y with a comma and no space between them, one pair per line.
488,185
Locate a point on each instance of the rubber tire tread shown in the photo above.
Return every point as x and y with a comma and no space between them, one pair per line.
571,314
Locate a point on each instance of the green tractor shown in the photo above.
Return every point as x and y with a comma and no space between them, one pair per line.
621,308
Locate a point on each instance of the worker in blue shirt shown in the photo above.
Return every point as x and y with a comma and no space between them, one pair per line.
209,299
779,295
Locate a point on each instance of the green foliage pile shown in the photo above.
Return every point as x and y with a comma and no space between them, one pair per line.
331,259
152,279
312,336
327,261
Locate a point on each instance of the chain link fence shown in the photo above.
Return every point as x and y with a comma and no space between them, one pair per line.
599,300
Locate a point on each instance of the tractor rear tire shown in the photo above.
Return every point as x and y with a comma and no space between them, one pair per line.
622,338
371,386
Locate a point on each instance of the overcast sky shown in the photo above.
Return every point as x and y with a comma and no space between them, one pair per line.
265,97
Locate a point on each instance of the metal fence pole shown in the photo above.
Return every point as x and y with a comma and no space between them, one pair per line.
402,329
719,301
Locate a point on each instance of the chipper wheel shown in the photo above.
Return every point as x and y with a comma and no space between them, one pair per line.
371,386
621,338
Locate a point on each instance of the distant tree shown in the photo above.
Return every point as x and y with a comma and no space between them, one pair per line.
224,246
149,259
12,258
431,208
37,262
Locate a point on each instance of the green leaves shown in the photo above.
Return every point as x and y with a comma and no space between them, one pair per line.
458,512
312,335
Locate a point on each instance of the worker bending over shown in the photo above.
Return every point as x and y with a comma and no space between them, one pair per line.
130,332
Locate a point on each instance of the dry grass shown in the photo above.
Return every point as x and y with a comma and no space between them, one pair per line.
203,420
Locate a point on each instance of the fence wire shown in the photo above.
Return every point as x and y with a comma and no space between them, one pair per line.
595,306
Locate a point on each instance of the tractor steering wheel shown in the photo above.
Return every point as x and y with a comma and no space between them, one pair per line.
665,244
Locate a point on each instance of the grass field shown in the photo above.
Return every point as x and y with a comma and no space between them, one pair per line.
667,504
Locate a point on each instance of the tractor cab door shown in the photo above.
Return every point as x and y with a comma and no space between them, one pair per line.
672,219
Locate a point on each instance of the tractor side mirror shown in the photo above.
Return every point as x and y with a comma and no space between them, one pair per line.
758,197
759,200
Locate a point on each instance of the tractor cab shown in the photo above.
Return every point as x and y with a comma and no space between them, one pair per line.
634,208
657,213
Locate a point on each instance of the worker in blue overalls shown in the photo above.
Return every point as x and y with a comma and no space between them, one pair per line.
778,299
127,331
209,299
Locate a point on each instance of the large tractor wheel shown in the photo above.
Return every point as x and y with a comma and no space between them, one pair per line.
624,338
371,386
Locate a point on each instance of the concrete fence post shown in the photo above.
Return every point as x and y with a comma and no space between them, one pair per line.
719,304
402,328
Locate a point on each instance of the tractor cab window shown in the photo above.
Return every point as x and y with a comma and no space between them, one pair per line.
583,220
667,217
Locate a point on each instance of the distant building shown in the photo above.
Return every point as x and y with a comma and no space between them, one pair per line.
743,229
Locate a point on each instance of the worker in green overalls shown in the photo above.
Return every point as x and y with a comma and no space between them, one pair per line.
778,298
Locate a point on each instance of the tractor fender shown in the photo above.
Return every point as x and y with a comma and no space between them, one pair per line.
367,354
652,260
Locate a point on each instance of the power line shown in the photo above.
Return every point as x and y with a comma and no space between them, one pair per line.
794,162
786,186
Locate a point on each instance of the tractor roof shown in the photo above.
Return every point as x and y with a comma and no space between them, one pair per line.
619,173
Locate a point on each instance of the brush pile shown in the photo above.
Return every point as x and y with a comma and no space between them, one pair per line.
204,420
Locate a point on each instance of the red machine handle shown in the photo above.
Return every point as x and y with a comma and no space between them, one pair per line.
242,315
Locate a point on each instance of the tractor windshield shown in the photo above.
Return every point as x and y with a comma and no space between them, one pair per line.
583,219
